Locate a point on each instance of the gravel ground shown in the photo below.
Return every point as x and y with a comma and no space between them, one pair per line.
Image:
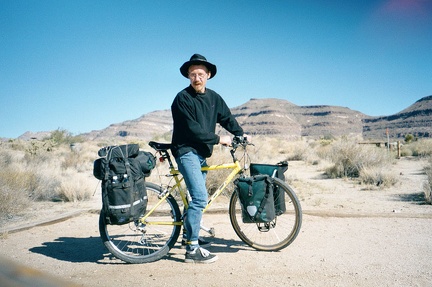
351,236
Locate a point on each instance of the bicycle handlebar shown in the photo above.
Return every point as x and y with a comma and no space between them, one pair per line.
240,141
236,142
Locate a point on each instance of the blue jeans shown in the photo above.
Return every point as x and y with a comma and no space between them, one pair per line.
189,166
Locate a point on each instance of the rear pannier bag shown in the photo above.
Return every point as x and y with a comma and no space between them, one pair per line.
147,162
256,198
124,196
275,171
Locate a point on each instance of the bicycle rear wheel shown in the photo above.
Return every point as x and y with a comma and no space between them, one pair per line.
138,242
274,235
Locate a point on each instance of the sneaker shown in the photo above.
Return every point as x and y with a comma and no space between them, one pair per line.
200,255
201,243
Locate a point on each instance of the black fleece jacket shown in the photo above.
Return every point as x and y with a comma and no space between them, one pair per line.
195,117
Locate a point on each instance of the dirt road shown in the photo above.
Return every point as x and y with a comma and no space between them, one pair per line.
349,237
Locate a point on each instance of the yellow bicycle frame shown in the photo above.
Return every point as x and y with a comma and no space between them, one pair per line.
236,168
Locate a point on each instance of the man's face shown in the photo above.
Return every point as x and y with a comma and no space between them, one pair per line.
198,76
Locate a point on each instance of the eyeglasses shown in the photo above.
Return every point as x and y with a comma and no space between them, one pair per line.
200,75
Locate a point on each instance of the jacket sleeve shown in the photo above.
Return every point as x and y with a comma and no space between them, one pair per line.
183,116
227,120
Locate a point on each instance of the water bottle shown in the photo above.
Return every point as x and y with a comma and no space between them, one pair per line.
125,178
115,179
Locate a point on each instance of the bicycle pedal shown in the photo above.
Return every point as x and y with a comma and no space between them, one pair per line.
210,231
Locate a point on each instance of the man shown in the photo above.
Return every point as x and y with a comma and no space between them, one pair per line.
196,110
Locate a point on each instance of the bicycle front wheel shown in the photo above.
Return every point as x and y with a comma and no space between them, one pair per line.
143,242
276,234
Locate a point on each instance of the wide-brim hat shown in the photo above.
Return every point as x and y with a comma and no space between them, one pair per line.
198,59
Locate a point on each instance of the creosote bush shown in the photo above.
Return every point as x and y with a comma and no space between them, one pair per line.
29,171
421,148
377,176
368,163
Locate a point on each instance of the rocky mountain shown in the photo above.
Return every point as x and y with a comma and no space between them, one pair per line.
284,119
415,120
146,127
34,135
276,117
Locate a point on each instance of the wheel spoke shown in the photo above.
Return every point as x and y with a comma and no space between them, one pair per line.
273,235
137,242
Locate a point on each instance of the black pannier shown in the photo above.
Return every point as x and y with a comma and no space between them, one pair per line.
256,198
122,170
147,162
275,171
143,160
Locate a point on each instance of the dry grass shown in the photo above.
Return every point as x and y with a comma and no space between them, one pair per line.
31,172
368,163
427,187
51,170
421,148
377,176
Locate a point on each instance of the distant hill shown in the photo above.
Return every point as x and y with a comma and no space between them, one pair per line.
415,120
276,117
284,119
146,127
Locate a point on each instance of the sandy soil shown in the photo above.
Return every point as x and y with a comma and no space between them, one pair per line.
351,236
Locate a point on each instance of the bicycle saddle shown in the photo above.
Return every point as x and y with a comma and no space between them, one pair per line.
160,146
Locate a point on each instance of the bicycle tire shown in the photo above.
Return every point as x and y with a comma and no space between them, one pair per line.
137,242
272,236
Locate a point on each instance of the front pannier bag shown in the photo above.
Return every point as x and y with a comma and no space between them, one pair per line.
256,198
275,171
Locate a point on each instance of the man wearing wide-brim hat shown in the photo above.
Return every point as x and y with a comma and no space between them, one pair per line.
196,110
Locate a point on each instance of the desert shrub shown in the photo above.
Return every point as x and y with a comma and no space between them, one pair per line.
406,151
15,144
409,138
71,161
350,159
377,176
74,187
302,150
79,158
274,150
267,150
13,197
427,187
215,179
8,157
62,137
421,148
30,172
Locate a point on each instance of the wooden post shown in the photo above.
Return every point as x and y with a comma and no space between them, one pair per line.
398,149
388,139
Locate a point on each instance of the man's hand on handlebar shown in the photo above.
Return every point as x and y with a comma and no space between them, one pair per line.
237,140
225,140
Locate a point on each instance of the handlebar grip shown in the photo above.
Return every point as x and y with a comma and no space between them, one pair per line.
239,140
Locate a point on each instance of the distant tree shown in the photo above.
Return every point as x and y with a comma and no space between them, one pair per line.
409,138
62,136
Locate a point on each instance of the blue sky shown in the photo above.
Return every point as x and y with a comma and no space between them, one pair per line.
83,65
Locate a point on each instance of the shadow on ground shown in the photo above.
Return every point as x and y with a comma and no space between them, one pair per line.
414,198
91,249
72,249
